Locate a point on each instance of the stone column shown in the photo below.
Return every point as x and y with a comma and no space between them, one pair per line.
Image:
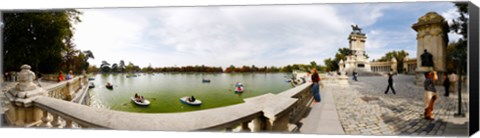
21,97
394,65
432,32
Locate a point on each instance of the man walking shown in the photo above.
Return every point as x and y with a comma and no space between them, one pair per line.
446,84
390,84
453,81
430,95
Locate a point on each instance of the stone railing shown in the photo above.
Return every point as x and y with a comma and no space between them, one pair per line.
382,67
55,106
268,112
66,90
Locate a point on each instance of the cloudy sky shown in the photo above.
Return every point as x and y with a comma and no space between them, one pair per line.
269,35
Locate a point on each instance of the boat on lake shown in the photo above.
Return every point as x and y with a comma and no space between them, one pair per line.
143,102
239,89
109,86
91,85
205,80
186,100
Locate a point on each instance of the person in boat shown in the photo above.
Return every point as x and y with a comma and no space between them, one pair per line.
141,99
191,99
136,96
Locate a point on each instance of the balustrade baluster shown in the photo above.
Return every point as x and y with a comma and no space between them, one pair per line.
245,127
68,124
45,120
56,122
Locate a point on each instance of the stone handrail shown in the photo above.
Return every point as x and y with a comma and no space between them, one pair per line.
268,112
103,118
65,90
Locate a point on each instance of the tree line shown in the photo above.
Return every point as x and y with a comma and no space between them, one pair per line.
106,67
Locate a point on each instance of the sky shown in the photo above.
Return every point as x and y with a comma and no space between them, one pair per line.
266,35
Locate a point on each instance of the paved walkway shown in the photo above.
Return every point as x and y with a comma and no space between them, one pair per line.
365,109
323,117
362,108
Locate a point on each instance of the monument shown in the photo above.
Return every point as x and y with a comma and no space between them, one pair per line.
432,41
356,60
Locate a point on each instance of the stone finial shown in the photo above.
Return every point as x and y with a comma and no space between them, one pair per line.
341,62
25,79
394,60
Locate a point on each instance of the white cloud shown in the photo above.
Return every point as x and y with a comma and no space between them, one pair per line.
222,36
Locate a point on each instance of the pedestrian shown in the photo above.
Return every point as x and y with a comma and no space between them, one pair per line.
60,77
430,95
39,78
453,82
316,82
390,83
355,76
70,75
446,84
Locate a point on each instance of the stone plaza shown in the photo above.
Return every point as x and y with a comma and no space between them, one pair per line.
363,108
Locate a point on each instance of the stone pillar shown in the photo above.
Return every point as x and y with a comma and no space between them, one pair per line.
341,66
394,65
21,97
432,32
406,68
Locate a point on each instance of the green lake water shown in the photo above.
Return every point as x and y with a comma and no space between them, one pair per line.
164,90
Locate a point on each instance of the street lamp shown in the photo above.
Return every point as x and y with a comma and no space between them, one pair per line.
458,58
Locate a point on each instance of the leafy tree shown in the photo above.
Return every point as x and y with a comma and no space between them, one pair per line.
332,64
398,55
121,66
458,50
105,67
114,67
40,39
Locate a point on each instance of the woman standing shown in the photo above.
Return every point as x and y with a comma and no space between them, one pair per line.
430,95
316,83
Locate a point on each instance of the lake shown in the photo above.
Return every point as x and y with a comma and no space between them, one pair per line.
163,90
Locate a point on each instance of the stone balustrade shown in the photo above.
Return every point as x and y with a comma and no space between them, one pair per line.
54,106
66,90
269,112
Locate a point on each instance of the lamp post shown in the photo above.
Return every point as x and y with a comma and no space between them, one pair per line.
459,58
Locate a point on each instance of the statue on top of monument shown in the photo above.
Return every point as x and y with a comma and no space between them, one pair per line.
356,29
427,59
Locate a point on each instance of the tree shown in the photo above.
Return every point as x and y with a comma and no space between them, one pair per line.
121,66
459,52
105,67
398,55
332,64
88,54
114,67
40,39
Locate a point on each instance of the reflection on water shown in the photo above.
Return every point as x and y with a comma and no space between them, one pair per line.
163,90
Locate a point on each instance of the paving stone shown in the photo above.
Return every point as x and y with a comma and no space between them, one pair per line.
400,114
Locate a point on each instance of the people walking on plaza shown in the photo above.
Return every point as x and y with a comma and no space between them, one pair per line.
430,95
316,83
453,82
390,84
355,74
446,84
